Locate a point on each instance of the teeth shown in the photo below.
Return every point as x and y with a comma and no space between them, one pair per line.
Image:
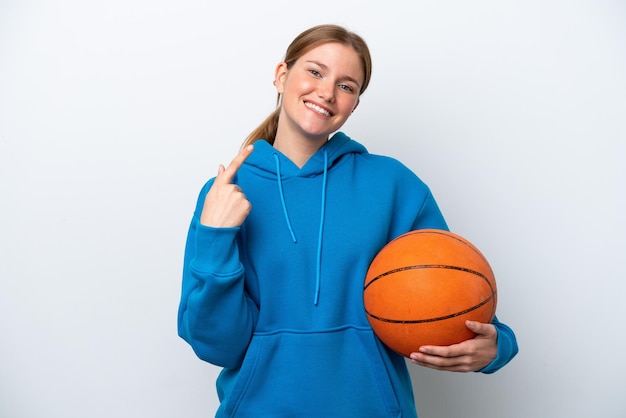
318,109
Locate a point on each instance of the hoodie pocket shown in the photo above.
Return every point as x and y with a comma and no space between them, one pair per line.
338,373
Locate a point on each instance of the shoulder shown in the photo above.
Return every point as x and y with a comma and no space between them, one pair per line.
388,167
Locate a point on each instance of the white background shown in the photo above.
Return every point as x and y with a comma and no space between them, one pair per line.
114,113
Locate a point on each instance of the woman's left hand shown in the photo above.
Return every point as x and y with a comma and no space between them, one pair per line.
468,356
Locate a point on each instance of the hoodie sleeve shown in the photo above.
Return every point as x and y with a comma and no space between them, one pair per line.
429,215
215,316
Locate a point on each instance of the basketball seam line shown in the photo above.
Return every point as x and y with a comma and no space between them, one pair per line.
441,318
424,266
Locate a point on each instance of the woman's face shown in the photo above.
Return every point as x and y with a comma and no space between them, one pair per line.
319,91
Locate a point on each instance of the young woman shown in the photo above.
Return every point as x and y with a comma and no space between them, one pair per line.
279,246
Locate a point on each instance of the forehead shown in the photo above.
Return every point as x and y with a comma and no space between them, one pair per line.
336,57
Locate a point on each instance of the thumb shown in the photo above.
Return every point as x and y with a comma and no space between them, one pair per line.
478,327
220,169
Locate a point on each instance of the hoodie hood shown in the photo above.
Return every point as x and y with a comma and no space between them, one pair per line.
263,159
269,162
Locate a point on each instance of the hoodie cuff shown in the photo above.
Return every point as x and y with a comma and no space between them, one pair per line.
217,252
507,348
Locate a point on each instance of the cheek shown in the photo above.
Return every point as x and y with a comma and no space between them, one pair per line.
297,85
348,105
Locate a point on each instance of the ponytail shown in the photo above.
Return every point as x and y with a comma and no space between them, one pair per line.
266,130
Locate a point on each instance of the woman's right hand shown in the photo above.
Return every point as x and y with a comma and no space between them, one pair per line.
225,205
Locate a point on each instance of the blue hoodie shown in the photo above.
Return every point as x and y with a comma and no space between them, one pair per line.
278,302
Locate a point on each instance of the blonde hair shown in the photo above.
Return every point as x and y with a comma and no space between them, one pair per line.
302,44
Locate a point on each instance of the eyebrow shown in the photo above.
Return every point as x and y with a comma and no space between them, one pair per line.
325,67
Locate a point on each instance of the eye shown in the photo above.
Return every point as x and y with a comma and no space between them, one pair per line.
315,73
346,88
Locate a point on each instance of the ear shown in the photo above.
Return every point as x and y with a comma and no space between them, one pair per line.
279,77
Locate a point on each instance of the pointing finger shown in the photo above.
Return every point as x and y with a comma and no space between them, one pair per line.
227,175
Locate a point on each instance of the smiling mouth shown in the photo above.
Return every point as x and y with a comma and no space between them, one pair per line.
318,109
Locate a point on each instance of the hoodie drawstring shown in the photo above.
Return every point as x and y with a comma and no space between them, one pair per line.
318,267
318,272
282,198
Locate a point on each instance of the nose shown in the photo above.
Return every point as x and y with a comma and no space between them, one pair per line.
326,91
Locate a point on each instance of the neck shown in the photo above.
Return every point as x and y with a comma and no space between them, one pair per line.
297,149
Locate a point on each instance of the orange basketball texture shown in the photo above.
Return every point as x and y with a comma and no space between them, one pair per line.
422,287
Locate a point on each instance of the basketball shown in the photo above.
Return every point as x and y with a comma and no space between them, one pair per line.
422,287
